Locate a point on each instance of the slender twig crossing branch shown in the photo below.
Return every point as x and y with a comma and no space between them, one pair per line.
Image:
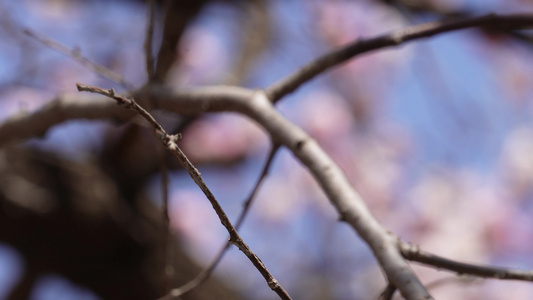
395,38
171,143
204,275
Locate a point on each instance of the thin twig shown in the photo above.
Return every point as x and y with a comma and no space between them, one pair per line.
168,253
204,275
128,103
149,57
77,56
414,253
395,38
168,261
178,16
449,280
171,143
387,292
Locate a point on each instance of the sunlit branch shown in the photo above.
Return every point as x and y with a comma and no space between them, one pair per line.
22,126
395,38
414,253
340,192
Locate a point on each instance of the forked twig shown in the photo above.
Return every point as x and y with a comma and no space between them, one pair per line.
171,143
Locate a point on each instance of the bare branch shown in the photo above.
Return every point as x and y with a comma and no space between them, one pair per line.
255,105
204,275
179,14
258,106
168,261
342,195
266,168
77,56
387,293
413,253
171,143
149,58
128,103
453,279
23,125
395,38
256,36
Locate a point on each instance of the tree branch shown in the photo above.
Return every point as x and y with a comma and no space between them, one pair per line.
148,53
414,253
342,195
387,293
257,105
395,38
178,15
204,275
128,103
23,126
171,143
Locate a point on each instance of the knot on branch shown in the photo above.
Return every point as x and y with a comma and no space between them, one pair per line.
128,103
171,140
273,284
